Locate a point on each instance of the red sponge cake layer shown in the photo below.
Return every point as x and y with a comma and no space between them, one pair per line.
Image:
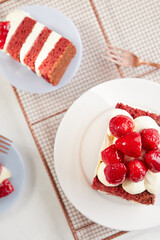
31,56
54,66
134,112
17,40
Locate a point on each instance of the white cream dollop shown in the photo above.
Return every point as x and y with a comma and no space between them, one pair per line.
133,187
4,174
151,182
144,122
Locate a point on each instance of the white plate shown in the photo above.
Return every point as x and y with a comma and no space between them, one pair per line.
77,145
13,162
20,76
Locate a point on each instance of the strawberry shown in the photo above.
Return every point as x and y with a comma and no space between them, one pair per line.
150,138
152,160
5,188
4,28
115,173
120,125
130,144
112,155
136,170
2,42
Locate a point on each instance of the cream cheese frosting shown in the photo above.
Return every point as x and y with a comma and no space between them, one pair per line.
37,29
47,47
4,174
133,187
144,122
151,182
15,18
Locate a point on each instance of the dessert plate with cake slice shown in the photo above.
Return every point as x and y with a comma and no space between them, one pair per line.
109,167
40,49
11,177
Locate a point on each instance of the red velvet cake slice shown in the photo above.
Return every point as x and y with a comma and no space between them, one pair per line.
129,162
45,52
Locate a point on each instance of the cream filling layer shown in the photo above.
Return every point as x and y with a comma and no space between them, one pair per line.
5,174
151,181
15,18
37,29
47,47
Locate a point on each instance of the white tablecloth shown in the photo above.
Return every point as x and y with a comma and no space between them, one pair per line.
37,214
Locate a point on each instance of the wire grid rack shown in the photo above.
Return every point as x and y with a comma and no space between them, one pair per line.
132,25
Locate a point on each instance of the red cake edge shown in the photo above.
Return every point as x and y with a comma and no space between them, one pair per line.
32,54
144,197
57,61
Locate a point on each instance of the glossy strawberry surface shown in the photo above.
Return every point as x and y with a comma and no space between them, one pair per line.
120,125
130,144
152,160
150,138
136,170
4,28
5,188
112,155
115,173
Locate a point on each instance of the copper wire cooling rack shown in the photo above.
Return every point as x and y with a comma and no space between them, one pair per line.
132,25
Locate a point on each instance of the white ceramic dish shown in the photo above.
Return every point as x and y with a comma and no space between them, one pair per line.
77,146
13,162
20,76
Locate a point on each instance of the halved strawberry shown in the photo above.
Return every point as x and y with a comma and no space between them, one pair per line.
130,144
152,160
6,188
150,138
112,155
115,173
120,125
136,170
